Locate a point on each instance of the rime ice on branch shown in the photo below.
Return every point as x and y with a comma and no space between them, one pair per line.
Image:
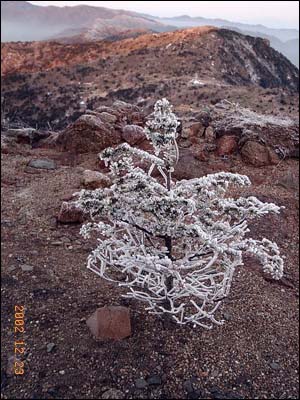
172,245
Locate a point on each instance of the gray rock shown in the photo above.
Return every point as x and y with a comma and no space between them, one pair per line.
233,395
4,380
10,367
275,366
217,393
113,394
141,383
123,106
22,135
42,163
26,268
227,316
107,117
50,347
294,153
154,380
196,394
188,386
133,134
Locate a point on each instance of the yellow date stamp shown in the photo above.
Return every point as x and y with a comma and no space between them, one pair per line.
19,343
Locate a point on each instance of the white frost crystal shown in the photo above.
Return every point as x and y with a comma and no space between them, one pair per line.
173,245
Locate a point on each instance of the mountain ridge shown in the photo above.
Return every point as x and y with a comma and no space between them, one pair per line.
53,82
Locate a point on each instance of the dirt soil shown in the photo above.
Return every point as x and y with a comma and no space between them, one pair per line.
253,355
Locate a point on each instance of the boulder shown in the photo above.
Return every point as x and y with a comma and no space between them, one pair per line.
22,135
273,157
289,181
294,153
101,109
205,118
200,153
129,113
133,134
48,142
26,135
70,213
210,135
196,129
125,107
279,132
42,163
113,394
107,117
110,322
226,145
95,179
6,144
257,154
10,367
89,133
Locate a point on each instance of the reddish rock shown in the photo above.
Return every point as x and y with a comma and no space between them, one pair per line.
255,154
88,133
258,155
273,157
200,153
201,156
195,129
110,322
133,134
70,213
95,179
194,141
227,144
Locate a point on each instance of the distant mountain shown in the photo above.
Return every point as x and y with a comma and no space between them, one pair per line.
187,21
286,41
118,26
291,50
23,21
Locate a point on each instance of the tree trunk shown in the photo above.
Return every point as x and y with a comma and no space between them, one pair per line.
168,279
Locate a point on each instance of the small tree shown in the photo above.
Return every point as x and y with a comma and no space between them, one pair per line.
173,245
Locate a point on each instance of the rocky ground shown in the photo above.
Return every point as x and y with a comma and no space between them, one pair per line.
253,355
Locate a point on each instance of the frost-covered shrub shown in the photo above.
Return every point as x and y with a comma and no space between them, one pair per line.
173,245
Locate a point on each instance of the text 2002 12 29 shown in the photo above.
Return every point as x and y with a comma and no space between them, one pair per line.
19,345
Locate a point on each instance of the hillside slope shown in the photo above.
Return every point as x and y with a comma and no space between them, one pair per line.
52,82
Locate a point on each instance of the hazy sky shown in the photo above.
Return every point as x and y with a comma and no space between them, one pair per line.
284,14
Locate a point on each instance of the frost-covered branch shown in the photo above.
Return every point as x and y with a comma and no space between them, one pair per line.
172,245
